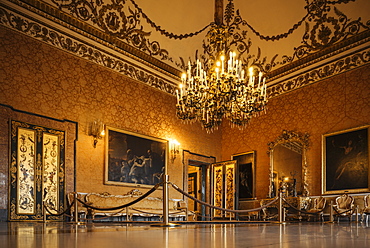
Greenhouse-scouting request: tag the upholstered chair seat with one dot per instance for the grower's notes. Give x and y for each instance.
(366, 210)
(344, 206)
(317, 207)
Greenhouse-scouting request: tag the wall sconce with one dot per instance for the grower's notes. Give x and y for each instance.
(97, 130)
(174, 149)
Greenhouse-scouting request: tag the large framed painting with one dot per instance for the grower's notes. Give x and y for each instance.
(246, 175)
(134, 159)
(346, 161)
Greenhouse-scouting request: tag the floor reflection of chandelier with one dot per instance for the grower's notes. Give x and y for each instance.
(221, 89)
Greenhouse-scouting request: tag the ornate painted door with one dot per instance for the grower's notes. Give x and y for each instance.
(36, 172)
(223, 187)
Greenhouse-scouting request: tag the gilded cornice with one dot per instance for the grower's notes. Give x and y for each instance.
(321, 55)
(151, 75)
(313, 61)
(338, 66)
(79, 26)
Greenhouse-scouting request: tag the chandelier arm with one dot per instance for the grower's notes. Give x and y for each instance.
(164, 32)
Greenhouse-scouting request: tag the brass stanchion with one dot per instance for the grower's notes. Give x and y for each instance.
(166, 222)
(281, 210)
(331, 214)
(356, 213)
(75, 214)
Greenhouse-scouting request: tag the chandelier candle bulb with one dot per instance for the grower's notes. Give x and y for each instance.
(209, 93)
(250, 84)
(222, 63)
(259, 79)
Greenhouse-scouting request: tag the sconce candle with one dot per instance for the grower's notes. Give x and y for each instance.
(174, 149)
(97, 130)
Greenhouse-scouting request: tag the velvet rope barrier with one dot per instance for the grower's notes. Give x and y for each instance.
(301, 211)
(125, 205)
(222, 209)
(58, 214)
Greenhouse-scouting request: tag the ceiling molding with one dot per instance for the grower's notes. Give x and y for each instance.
(102, 55)
(79, 26)
(347, 50)
(324, 71)
(331, 51)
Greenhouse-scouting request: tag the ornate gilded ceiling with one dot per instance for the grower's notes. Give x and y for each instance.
(295, 42)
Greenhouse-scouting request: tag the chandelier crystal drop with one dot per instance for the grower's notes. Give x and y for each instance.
(221, 89)
(226, 91)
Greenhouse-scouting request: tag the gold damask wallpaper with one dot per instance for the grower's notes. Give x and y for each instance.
(334, 104)
(40, 79)
(42, 85)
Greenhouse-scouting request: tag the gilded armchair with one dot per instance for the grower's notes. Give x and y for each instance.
(366, 210)
(317, 206)
(344, 206)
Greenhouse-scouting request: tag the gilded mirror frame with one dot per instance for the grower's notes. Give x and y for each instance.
(286, 137)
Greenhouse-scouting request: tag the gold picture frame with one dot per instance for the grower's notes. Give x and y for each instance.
(245, 180)
(133, 159)
(345, 161)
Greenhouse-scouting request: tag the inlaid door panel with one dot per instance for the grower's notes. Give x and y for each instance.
(223, 187)
(36, 171)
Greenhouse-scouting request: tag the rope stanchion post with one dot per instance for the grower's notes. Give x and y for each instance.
(331, 213)
(166, 222)
(281, 210)
(75, 214)
(165, 200)
(357, 213)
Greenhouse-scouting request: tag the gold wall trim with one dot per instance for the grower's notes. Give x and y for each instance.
(158, 74)
(64, 19)
(321, 55)
(341, 65)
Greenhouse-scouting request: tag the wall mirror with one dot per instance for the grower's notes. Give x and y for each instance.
(288, 164)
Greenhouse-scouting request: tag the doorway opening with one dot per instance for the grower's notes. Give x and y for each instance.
(197, 182)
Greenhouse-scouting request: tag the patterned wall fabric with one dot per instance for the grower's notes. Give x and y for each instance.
(40, 79)
(338, 103)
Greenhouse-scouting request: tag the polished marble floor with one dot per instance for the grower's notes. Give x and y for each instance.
(141, 235)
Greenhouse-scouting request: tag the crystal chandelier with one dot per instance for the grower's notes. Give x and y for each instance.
(221, 89)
